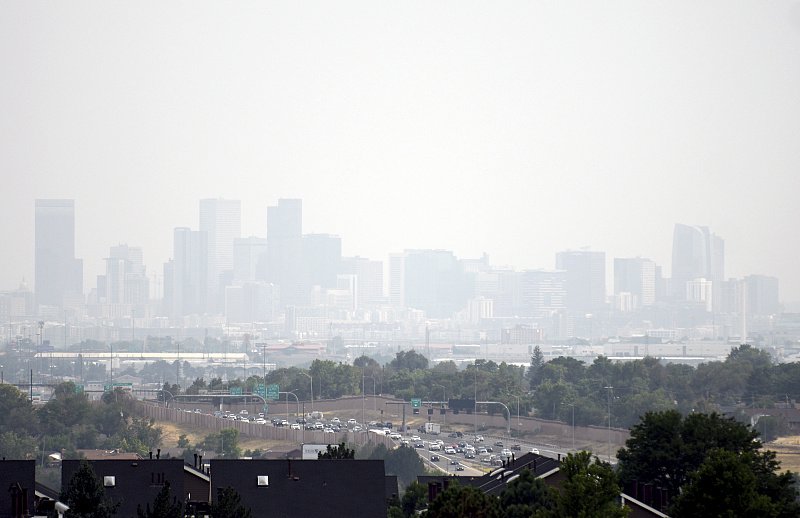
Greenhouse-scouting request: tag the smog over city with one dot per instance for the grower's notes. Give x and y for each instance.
(457, 204)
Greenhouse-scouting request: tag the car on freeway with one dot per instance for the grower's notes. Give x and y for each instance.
(261, 420)
(506, 453)
(318, 426)
(295, 426)
(405, 442)
(489, 449)
(434, 458)
(328, 430)
(357, 428)
(516, 447)
(352, 422)
(415, 438)
(434, 447)
(499, 444)
(534, 450)
(450, 450)
(419, 444)
(459, 468)
(481, 451)
(335, 420)
(453, 462)
(395, 435)
(479, 438)
(469, 455)
(452, 434)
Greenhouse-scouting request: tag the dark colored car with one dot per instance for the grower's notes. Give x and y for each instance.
(434, 458)
(419, 445)
(459, 468)
(499, 444)
(516, 447)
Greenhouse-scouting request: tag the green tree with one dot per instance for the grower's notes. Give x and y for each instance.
(527, 495)
(409, 360)
(85, 495)
(225, 443)
(537, 362)
(16, 411)
(590, 489)
(458, 501)
(414, 499)
(724, 485)
(664, 449)
(16, 446)
(337, 452)
(402, 462)
(228, 504)
(183, 442)
(65, 409)
(166, 505)
(197, 385)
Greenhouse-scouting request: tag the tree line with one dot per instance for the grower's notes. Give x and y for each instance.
(68, 422)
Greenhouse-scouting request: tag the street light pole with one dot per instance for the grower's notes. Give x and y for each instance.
(573, 426)
(609, 388)
(363, 419)
(374, 400)
(444, 398)
(312, 388)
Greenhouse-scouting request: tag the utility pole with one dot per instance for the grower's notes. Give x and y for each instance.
(609, 388)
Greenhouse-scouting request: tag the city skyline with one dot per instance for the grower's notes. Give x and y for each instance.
(156, 276)
(519, 129)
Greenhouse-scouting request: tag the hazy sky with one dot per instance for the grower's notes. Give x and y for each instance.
(515, 128)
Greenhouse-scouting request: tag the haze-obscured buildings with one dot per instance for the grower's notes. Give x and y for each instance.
(58, 273)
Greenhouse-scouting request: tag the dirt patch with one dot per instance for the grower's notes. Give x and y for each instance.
(195, 434)
(787, 451)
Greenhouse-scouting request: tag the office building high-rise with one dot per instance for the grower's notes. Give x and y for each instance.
(585, 279)
(635, 277)
(58, 272)
(249, 259)
(322, 258)
(397, 280)
(222, 221)
(370, 279)
(696, 253)
(762, 295)
(434, 282)
(542, 292)
(189, 272)
(285, 251)
(125, 280)
(285, 220)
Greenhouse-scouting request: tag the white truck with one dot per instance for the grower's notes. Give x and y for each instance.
(432, 428)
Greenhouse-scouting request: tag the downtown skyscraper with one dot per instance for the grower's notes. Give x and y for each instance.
(221, 220)
(697, 253)
(58, 272)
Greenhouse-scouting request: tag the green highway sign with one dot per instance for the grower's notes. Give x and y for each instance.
(273, 392)
(236, 391)
(416, 403)
(261, 390)
(79, 389)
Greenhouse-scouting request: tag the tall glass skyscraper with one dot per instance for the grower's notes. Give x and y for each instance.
(58, 272)
(697, 253)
